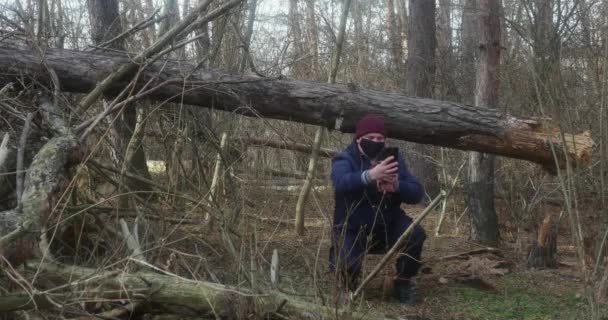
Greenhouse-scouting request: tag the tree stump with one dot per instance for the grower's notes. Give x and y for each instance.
(543, 253)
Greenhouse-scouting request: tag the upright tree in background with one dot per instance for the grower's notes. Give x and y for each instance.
(447, 87)
(203, 44)
(469, 37)
(361, 40)
(312, 35)
(171, 13)
(419, 82)
(480, 176)
(394, 32)
(104, 18)
(546, 45)
(296, 38)
(402, 18)
(105, 25)
(246, 56)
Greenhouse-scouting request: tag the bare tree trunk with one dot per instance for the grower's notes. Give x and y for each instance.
(146, 35)
(218, 31)
(203, 117)
(203, 43)
(395, 38)
(360, 38)
(105, 22)
(171, 12)
(59, 28)
(446, 85)
(313, 39)
(105, 25)
(480, 182)
(469, 40)
(402, 16)
(296, 40)
(419, 83)
(245, 53)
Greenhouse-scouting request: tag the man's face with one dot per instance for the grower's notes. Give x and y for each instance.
(376, 137)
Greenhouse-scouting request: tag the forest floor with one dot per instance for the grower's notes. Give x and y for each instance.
(491, 285)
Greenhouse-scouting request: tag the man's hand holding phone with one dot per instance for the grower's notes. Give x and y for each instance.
(389, 181)
(384, 170)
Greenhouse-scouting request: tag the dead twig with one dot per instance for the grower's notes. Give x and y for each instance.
(469, 253)
(20, 155)
(4, 150)
(132, 239)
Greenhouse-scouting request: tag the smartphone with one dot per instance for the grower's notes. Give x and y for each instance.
(390, 151)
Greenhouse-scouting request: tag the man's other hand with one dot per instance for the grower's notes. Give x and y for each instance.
(390, 184)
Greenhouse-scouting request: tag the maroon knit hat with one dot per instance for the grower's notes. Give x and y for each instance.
(368, 124)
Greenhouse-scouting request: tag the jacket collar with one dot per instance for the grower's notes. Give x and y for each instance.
(356, 155)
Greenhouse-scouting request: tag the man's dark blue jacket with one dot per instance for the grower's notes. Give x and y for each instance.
(362, 205)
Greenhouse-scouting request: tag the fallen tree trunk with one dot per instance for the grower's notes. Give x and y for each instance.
(202, 297)
(425, 121)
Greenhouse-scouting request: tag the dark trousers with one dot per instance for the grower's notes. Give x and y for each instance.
(349, 247)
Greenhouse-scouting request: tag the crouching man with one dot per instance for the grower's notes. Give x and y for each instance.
(367, 215)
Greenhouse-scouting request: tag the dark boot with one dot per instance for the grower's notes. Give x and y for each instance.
(350, 281)
(405, 292)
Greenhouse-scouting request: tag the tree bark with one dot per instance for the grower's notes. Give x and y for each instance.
(469, 39)
(203, 44)
(480, 178)
(419, 83)
(105, 25)
(246, 53)
(395, 38)
(427, 121)
(313, 39)
(105, 22)
(402, 15)
(361, 44)
(543, 253)
(299, 70)
(446, 84)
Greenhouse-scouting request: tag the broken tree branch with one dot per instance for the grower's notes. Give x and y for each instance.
(20, 154)
(4, 151)
(426, 121)
(131, 240)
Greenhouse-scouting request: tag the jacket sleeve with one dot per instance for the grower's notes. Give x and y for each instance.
(410, 190)
(344, 177)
